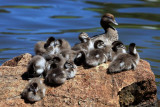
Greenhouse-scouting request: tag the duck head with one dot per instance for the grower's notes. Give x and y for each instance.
(107, 19)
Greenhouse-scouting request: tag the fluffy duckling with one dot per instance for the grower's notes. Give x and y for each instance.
(69, 54)
(60, 71)
(56, 76)
(70, 69)
(85, 46)
(36, 66)
(80, 58)
(97, 56)
(83, 37)
(117, 48)
(76, 56)
(34, 91)
(125, 61)
(111, 33)
(61, 44)
(41, 46)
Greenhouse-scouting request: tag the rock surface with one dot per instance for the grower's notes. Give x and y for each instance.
(91, 87)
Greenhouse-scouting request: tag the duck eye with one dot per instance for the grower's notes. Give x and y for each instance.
(109, 17)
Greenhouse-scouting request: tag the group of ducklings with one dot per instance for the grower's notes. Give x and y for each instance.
(57, 61)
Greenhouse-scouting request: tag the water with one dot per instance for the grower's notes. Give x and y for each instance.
(24, 22)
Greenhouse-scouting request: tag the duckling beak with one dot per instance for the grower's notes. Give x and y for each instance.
(114, 22)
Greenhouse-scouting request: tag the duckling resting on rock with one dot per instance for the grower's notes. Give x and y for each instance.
(99, 55)
(36, 66)
(125, 61)
(34, 91)
(60, 71)
(43, 47)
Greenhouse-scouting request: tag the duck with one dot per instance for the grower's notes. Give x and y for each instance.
(99, 55)
(117, 48)
(56, 76)
(83, 37)
(76, 56)
(125, 61)
(42, 47)
(70, 69)
(60, 72)
(61, 44)
(67, 65)
(34, 91)
(111, 33)
(36, 66)
(85, 46)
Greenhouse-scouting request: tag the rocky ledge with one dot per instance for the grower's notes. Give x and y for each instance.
(91, 87)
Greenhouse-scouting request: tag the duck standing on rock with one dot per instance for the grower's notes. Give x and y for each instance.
(125, 61)
(111, 33)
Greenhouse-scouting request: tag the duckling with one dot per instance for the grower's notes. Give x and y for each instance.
(83, 37)
(99, 55)
(41, 46)
(54, 62)
(56, 76)
(70, 69)
(66, 64)
(94, 58)
(107, 50)
(111, 33)
(36, 66)
(61, 44)
(125, 61)
(69, 54)
(34, 91)
(73, 55)
(117, 47)
(85, 46)
(80, 58)
(58, 60)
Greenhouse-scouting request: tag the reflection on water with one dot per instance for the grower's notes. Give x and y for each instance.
(23, 23)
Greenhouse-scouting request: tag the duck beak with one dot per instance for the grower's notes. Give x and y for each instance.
(114, 22)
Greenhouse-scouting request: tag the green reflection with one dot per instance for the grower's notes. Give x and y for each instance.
(65, 17)
(153, 60)
(158, 83)
(156, 37)
(20, 29)
(4, 11)
(10, 33)
(6, 49)
(110, 7)
(26, 7)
